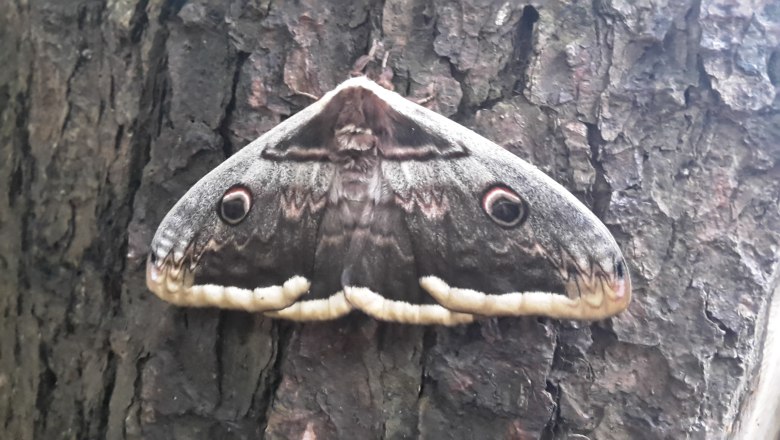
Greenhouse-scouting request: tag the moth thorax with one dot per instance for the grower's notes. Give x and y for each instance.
(358, 180)
(353, 138)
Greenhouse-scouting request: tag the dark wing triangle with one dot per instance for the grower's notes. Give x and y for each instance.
(397, 137)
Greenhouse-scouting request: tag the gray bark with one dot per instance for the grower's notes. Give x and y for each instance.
(662, 116)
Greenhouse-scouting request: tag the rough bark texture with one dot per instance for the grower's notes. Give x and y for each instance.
(661, 115)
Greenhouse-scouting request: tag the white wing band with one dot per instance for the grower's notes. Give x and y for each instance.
(385, 309)
(173, 288)
(335, 306)
(591, 306)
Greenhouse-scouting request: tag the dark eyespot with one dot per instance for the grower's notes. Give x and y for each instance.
(235, 204)
(504, 206)
(619, 269)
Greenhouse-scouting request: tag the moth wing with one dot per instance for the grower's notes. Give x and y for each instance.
(560, 261)
(271, 257)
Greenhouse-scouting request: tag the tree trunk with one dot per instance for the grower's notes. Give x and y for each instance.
(662, 116)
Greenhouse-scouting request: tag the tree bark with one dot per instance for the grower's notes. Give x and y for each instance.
(662, 116)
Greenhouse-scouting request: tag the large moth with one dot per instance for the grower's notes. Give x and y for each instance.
(367, 201)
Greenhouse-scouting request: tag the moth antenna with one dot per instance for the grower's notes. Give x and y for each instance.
(375, 44)
(430, 93)
(386, 77)
(307, 95)
(359, 68)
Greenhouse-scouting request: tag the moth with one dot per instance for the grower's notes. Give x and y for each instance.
(367, 201)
